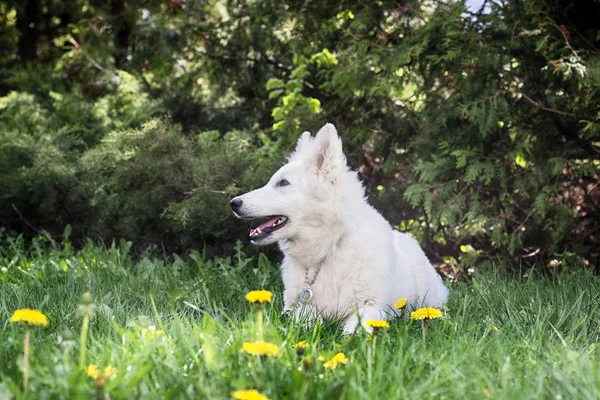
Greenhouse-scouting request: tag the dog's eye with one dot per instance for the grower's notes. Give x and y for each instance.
(283, 182)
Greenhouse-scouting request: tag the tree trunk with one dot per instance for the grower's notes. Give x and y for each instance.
(123, 31)
(28, 24)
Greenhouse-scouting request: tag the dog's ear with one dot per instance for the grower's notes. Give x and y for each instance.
(330, 160)
(303, 142)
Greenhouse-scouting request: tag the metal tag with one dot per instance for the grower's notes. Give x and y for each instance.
(304, 296)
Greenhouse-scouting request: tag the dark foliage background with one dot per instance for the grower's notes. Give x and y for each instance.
(478, 132)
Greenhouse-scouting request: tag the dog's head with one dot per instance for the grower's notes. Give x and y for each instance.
(301, 195)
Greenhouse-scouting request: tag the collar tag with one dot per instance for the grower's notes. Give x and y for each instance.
(305, 296)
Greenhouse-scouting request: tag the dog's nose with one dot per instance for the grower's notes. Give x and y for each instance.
(236, 204)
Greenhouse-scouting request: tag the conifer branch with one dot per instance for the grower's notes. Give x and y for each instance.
(538, 105)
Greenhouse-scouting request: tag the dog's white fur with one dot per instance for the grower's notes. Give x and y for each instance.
(366, 265)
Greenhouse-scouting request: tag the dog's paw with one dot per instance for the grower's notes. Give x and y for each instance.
(350, 325)
(356, 322)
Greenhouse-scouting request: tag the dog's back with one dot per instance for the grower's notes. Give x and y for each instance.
(426, 288)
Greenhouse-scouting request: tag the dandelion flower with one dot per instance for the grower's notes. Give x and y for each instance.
(92, 371)
(339, 358)
(110, 372)
(259, 296)
(495, 328)
(261, 349)
(301, 347)
(29, 317)
(248, 395)
(401, 303)
(426, 313)
(377, 324)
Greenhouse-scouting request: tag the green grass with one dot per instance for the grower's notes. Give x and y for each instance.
(546, 345)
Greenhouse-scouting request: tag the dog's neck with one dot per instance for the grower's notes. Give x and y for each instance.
(312, 249)
(320, 235)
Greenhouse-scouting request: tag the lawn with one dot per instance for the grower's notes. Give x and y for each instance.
(176, 329)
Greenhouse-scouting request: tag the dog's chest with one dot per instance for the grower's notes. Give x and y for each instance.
(342, 282)
(329, 290)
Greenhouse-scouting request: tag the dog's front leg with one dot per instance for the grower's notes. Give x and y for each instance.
(361, 316)
(290, 297)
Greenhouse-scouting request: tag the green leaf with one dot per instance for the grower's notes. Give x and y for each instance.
(467, 248)
(324, 58)
(293, 86)
(314, 105)
(290, 100)
(278, 125)
(274, 83)
(263, 262)
(278, 113)
(275, 93)
(209, 136)
(300, 72)
(67, 231)
(520, 161)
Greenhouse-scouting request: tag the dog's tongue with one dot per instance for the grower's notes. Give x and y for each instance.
(261, 228)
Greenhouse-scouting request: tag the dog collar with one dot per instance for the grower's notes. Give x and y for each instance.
(306, 294)
(310, 282)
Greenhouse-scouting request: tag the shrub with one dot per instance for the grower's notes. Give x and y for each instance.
(36, 165)
(152, 184)
(156, 185)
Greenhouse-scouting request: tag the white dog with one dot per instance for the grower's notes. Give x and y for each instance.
(342, 258)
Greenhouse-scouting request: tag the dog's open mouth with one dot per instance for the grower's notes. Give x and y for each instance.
(266, 228)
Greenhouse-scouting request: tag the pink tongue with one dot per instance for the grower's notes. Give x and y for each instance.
(259, 229)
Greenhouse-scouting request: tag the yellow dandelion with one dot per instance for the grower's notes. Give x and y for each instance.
(259, 296)
(301, 345)
(426, 313)
(109, 372)
(495, 328)
(377, 324)
(321, 358)
(339, 358)
(92, 371)
(248, 395)
(401, 303)
(29, 317)
(261, 349)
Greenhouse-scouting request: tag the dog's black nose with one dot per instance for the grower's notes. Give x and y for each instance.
(236, 204)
